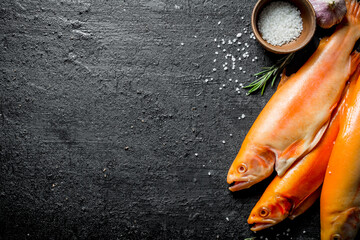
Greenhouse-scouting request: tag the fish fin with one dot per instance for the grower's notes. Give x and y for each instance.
(296, 150)
(353, 12)
(305, 204)
(355, 62)
(288, 157)
(283, 79)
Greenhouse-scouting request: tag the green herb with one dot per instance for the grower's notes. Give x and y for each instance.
(252, 238)
(269, 73)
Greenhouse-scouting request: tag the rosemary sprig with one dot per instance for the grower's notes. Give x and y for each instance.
(269, 73)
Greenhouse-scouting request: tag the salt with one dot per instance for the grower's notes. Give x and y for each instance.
(280, 23)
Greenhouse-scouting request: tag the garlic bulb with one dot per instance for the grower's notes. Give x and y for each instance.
(329, 12)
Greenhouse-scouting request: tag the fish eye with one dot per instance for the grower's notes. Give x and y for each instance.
(242, 168)
(336, 236)
(264, 212)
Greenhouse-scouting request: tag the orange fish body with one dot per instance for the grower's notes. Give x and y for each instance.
(340, 196)
(297, 115)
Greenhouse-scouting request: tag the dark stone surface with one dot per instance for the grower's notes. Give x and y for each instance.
(110, 130)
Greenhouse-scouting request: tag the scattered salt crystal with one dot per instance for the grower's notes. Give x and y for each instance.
(182, 44)
(304, 231)
(223, 141)
(216, 52)
(214, 60)
(206, 80)
(236, 80)
(237, 89)
(220, 88)
(234, 40)
(196, 154)
(230, 42)
(242, 115)
(244, 71)
(226, 68)
(214, 69)
(218, 45)
(209, 173)
(227, 219)
(240, 68)
(230, 135)
(238, 49)
(242, 17)
(215, 39)
(224, 85)
(224, 50)
(230, 79)
(239, 35)
(219, 22)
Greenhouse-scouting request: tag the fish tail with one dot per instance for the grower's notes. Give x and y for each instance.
(353, 12)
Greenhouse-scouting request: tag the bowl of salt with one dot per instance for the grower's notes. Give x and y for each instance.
(283, 26)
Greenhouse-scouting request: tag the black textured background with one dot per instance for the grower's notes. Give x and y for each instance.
(115, 126)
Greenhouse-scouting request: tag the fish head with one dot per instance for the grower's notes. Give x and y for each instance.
(343, 226)
(250, 166)
(269, 211)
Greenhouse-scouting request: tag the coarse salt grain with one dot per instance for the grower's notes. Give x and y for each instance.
(280, 23)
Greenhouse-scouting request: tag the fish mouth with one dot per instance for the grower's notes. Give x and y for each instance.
(260, 226)
(239, 185)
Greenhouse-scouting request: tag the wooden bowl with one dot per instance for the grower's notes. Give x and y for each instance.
(307, 14)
